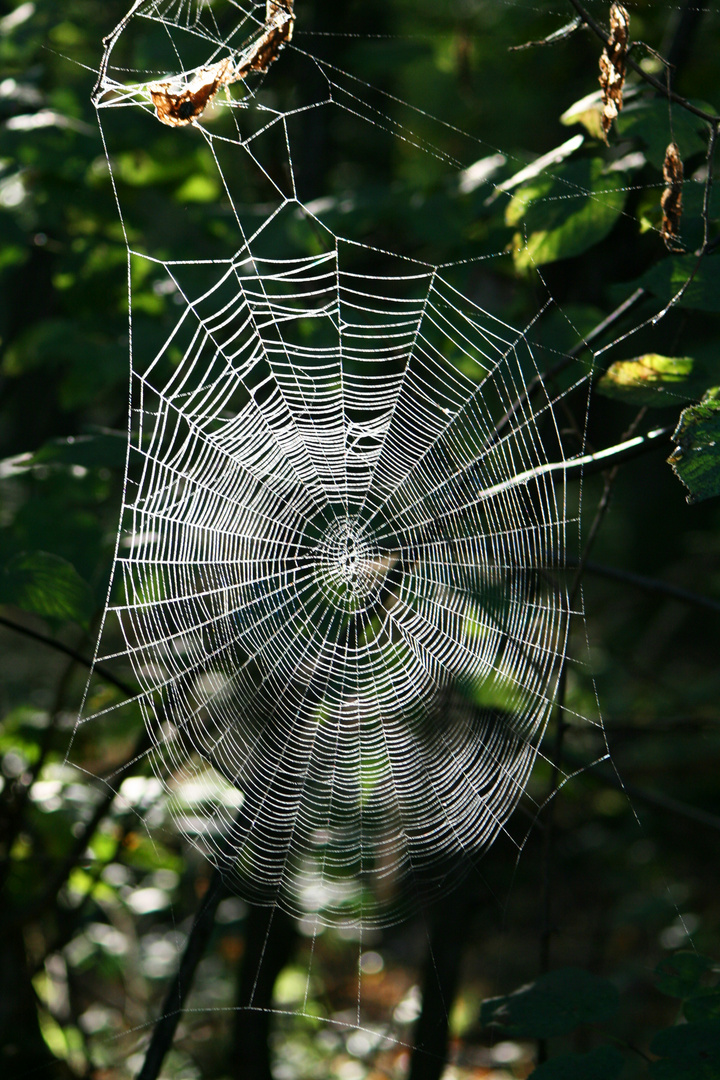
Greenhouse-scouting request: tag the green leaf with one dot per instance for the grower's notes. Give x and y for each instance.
(46, 585)
(198, 188)
(687, 1052)
(696, 457)
(46, 344)
(666, 279)
(703, 1006)
(541, 164)
(603, 1063)
(652, 380)
(681, 975)
(105, 449)
(647, 120)
(588, 112)
(564, 214)
(553, 1005)
(89, 360)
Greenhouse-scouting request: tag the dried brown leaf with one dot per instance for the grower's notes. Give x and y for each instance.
(180, 107)
(671, 201)
(183, 107)
(612, 66)
(279, 23)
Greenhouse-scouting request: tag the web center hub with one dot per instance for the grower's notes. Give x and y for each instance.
(347, 563)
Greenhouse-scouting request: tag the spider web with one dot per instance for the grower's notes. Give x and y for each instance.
(339, 574)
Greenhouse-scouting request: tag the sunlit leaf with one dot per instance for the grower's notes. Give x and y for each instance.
(696, 457)
(198, 188)
(651, 380)
(564, 214)
(541, 164)
(588, 112)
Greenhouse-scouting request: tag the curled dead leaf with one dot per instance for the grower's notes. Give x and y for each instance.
(671, 201)
(182, 107)
(178, 106)
(612, 66)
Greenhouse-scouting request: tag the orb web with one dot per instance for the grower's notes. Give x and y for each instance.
(339, 569)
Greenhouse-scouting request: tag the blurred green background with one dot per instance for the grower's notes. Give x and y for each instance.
(98, 895)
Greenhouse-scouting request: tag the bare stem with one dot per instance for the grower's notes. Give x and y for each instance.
(541, 379)
(59, 646)
(652, 585)
(172, 1007)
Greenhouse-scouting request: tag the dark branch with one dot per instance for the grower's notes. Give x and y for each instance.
(652, 585)
(655, 798)
(77, 850)
(586, 343)
(59, 646)
(181, 985)
(661, 87)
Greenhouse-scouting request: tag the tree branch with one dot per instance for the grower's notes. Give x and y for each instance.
(652, 585)
(60, 646)
(541, 379)
(654, 798)
(661, 87)
(181, 985)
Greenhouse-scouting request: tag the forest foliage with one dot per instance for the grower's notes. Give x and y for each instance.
(592, 954)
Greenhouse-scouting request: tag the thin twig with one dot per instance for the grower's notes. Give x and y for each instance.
(652, 585)
(652, 798)
(71, 918)
(17, 796)
(551, 39)
(708, 187)
(71, 860)
(172, 1007)
(587, 464)
(541, 379)
(141, 746)
(60, 877)
(59, 646)
(678, 725)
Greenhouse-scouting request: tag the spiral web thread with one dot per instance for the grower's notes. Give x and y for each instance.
(339, 569)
